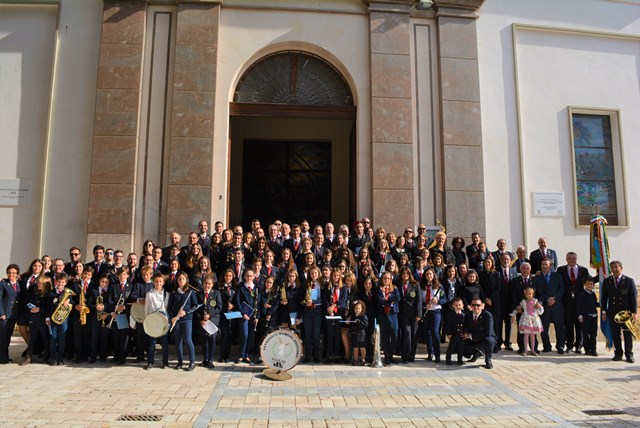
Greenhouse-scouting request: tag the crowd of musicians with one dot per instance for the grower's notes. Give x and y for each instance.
(330, 286)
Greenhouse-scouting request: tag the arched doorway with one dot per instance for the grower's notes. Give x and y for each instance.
(292, 142)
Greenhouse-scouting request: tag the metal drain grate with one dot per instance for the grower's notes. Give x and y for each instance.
(139, 418)
(605, 412)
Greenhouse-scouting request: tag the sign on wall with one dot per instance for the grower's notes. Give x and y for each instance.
(548, 204)
(15, 191)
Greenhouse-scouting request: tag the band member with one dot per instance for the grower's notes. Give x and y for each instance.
(434, 298)
(227, 287)
(410, 314)
(269, 307)
(28, 287)
(619, 294)
(313, 316)
(9, 292)
(38, 309)
(350, 289)
(138, 295)
(587, 314)
(291, 309)
(335, 302)
(247, 299)
(82, 332)
(367, 295)
(99, 329)
(211, 308)
(455, 331)
(387, 300)
(58, 331)
(117, 305)
(181, 305)
(157, 300)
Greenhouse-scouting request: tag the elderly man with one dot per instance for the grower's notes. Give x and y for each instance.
(543, 252)
(572, 275)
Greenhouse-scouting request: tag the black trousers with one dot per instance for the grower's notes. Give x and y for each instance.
(6, 331)
(589, 330)
(81, 338)
(572, 327)
(617, 341)
(38, 332)
(120, 339)
(456, 346)
(486, 345)
(553, 314)
(409, 337)
(99, 339)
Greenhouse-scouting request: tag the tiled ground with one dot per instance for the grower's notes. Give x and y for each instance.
(550, 390)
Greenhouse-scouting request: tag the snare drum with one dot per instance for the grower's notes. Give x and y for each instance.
(156, 324)
(281, 349)
(137, 312)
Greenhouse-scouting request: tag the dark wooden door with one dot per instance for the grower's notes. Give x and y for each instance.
(289, 180)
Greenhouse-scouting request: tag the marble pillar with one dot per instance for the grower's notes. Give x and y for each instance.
(391, 115)
(460, 116)
(192, 116)
(115, 133)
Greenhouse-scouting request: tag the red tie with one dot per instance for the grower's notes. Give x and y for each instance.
(506, 277)
(33, 278)
(238, 270)
(573, 276)
(122, 287)
(15, 287)
(406, 287)
(173, 277)
(84, 287)
(617, 280)
(269, 270)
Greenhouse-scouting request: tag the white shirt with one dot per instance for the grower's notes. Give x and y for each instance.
(156, 301)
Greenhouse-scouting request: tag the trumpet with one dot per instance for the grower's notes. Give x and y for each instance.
(120, 303)
(100, 314)
(626, 318)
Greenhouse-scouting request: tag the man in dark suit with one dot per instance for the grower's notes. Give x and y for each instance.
(537, 256)
(274, 241)
(75, 255)
(9, 289)
(572, 276)
(203, 237)
(472, 248)
(502, 249)
(479, 334)
(358, 239)
(507, 274)
(166, 251)
(98, 264)
(550, 288)
(619, 293)
(329, 235)
(294, 242)
(521, 257)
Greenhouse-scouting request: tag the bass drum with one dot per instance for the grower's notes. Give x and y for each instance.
(281, 349)
(137, 313)
(156, 324)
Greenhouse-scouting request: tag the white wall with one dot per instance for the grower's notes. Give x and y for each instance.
(27, 41)
(246, 35)
(48, 72)
(554, 70)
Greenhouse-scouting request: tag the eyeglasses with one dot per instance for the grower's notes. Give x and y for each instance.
(408, 231)
(109, 253)
(476, 305)
(74, 254)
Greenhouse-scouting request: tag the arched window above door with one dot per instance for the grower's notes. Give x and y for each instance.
(293, 78)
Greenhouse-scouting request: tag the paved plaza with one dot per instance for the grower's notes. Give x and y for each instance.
(549, 390)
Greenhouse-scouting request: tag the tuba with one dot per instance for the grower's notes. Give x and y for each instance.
(626, 318)
(63, 310)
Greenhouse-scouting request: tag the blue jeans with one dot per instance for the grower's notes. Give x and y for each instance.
(182, 333)
(58, 340)
(164, 342)
(432, 332)
(247, 335)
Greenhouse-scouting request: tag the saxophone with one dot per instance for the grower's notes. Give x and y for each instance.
(283, 294)
(62, 310)
(84, 310)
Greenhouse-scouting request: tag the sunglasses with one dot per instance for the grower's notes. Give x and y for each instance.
(475, 305)
(74, 254)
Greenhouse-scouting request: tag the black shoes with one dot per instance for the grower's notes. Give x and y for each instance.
(617, 358)
(630, 359)
(474, 357)
(560, 351)
(489, 364)
(178, 366)
(149, 366)
(190, 367)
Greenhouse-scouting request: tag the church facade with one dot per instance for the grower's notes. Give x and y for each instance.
(128, 120)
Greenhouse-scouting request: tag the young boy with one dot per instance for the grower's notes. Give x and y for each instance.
(82, 332)
(58, 331)
(455, 331)
(586, 304)
(99, 330)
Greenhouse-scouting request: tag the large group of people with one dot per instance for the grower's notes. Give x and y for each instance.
(332, 287)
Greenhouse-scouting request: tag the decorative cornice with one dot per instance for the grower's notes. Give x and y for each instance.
(466, 5)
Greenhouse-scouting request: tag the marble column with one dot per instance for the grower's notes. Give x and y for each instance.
(112, 187)
(192, 116)
(391, 115)
(460, 111)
